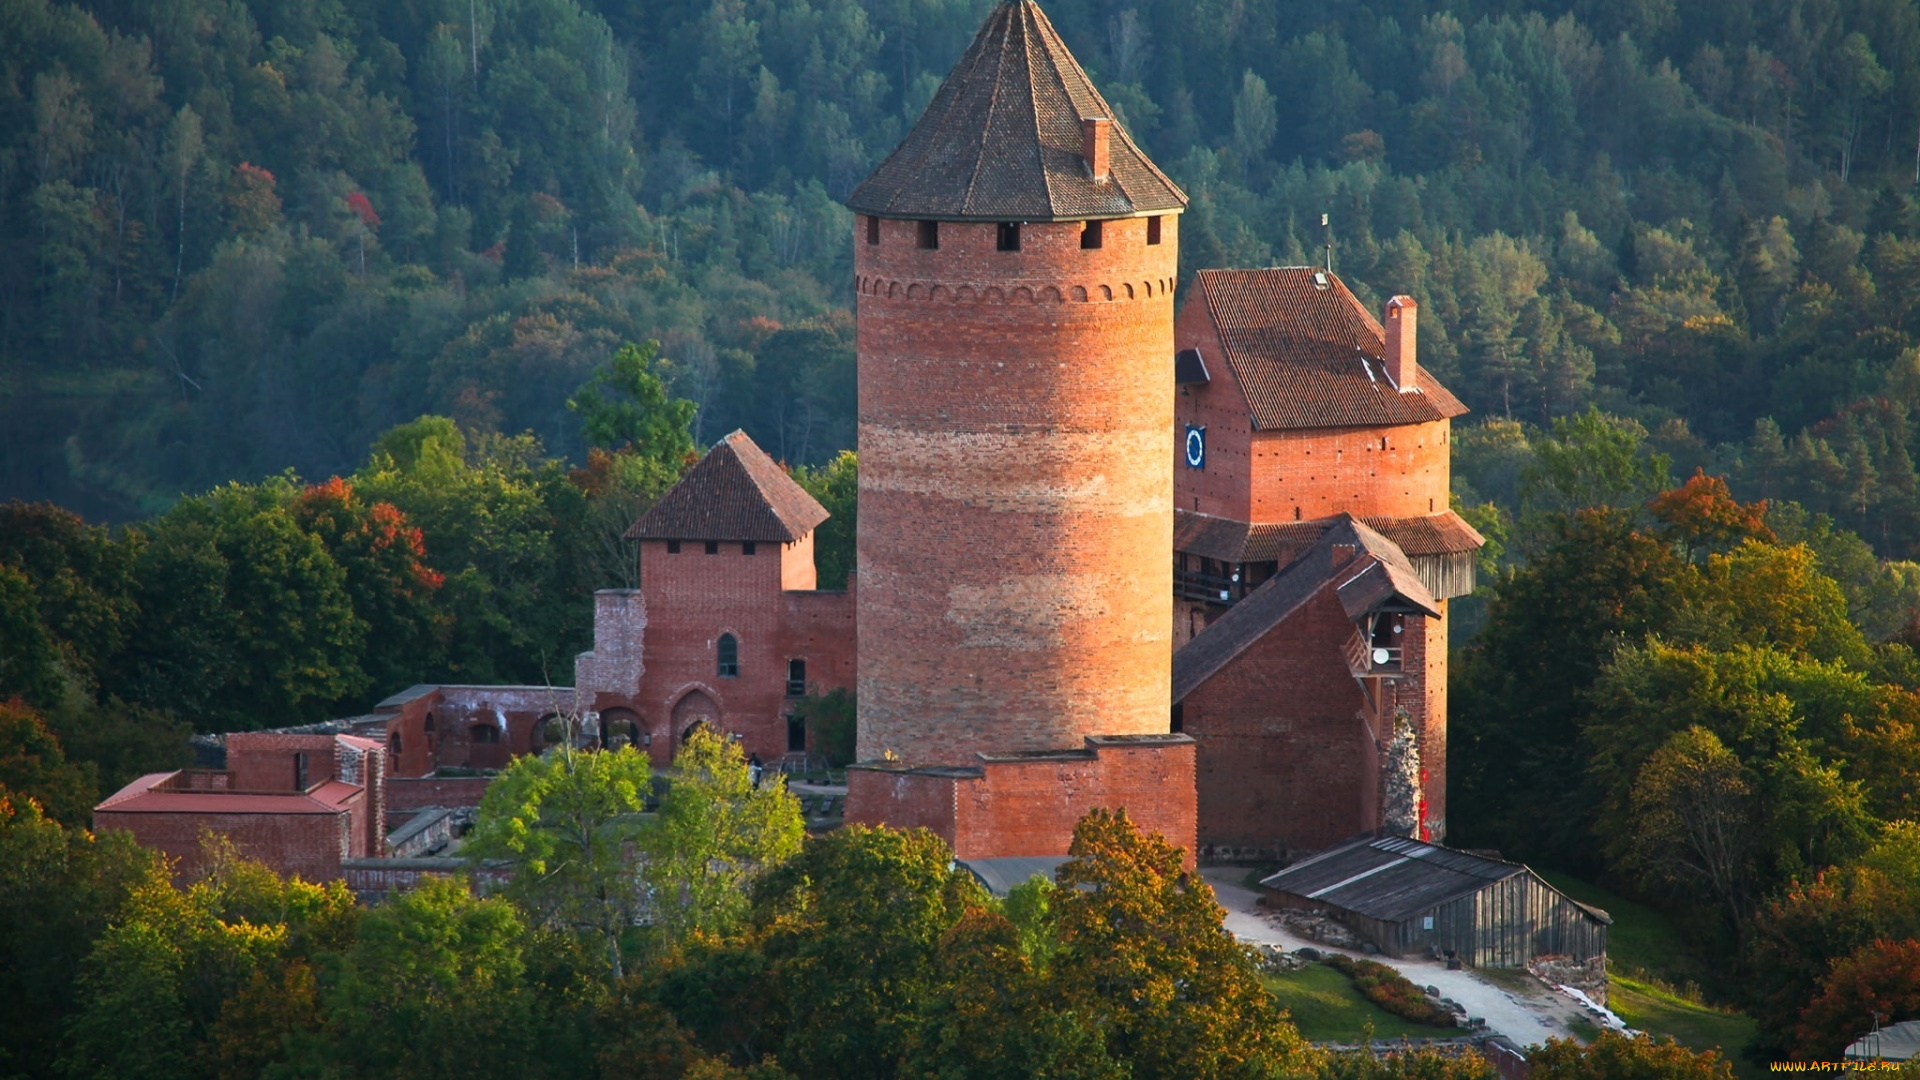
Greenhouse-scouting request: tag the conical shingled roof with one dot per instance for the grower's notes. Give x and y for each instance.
(1002, 140)
(736, 492)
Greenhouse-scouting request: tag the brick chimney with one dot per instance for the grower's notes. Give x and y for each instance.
(1094, 131)
(1402, 323)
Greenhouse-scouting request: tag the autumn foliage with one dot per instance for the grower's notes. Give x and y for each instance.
(1702, 513)
(1879, 979)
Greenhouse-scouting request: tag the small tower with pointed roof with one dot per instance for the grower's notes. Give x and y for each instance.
(727, 629)
(1015, 260)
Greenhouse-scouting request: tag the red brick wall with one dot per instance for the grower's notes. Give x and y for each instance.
(419, 740)
(1223, 488)
(263, 761)
(1029, 806)
(310, 845)
(1285, 762)
(1297, 475)
(1327, 471)
(416, 792)
(462, 709)
(820, 630)
(692, 598)
(1015, 487)
(903, 800)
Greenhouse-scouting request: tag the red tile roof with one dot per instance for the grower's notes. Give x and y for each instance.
(1307, 355)
(1002, 140)
(148, 795)
(736, 492)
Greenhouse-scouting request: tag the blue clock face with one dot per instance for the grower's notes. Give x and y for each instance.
(1196, 447)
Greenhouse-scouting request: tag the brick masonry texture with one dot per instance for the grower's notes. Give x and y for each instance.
(1015, 491)
(767, 601)
(1302, 473)
(654, 671)
(1030, 806)
(408, 793)
(1288, 757)
(310, 845)
(1288, 760)
(290, 834)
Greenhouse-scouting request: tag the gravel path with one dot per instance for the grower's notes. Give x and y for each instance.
(1529, 1015)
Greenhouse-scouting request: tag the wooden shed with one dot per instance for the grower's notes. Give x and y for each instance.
(1409, 898)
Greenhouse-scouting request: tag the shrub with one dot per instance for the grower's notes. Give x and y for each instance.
(1390, 990)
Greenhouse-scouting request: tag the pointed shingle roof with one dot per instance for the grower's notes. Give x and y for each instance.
(736, 492)
(1001, 140)
(1307, 355)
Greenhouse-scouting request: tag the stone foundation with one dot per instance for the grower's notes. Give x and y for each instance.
(1589, 976)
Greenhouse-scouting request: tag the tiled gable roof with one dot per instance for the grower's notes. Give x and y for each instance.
(1002, 140)
(736, 492)
(1363, 566)
(1307, 355)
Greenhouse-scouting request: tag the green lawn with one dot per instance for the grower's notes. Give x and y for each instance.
(1327, 1008)
(1645, 957)
(1660, 1011)
(1641, 941)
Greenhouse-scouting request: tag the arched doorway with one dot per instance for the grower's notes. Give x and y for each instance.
(695, 710)
(619, 727)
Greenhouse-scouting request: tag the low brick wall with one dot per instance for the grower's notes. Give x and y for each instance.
(1028, 804)
(309, 845)
(420, 792)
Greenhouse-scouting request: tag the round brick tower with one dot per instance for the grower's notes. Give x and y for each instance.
(1015, 261)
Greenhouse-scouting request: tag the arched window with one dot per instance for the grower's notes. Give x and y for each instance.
(796, 678)
(729, 656)
(393, 744)
(484, 734)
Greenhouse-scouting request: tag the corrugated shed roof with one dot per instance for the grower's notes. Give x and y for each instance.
(1390, 878)
(1307, 355)
(1394, 878)
(1343, 554)
(1239, 542)
(1002, 139)
(736, 492)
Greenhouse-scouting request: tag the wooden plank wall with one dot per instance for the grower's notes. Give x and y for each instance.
(1506, 924)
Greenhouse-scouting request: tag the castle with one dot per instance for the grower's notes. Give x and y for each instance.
(1197, 567)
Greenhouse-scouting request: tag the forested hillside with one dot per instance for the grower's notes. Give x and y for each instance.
(243, 236)
(325, 301)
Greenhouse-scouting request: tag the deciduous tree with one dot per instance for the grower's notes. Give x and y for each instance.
(569, 821)
(715, 835)
(1144, 958)
(1614, 1056)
